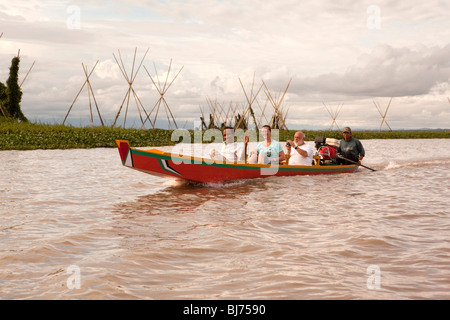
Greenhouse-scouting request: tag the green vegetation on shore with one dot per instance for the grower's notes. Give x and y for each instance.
(30, 136)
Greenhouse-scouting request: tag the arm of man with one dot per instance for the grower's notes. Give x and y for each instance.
(244, 150)
(362, 152)
(301, 152)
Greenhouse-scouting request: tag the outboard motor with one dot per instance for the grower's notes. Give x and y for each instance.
(319, 141)
(327, 148)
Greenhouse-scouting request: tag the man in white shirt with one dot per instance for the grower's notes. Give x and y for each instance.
(302, 153)
(230, 151)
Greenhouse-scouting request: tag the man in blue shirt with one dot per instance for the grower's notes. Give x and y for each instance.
(351, 148)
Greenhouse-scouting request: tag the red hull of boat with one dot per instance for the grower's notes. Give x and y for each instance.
(160, 163)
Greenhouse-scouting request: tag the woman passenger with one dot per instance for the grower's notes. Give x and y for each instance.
(269, 151)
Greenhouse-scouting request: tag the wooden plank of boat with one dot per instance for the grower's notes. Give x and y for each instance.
(160, 163)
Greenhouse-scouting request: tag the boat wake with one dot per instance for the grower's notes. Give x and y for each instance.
(225, 184)
(392, 165)
(174, 182)
(180, 183)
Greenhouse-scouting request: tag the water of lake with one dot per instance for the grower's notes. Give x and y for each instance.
(76, 224)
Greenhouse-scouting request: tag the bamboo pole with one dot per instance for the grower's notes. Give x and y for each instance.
(202, 118)
(130, 80)
(76, 97)
(227, 116)
(93, 97)
(4, 115)
(334, 114)
(276, 103)
(29, 70)
(383, 115)
(250, 102)
(162, 90)
(263, 112)
(90, 104)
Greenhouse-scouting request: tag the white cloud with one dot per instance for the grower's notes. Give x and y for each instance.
(325, 47)
(107, 69)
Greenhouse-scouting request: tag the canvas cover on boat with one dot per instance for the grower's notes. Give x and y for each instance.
(332, 142)
(327, 152)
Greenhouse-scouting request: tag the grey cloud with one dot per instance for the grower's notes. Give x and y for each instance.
(386, 71)
(45, 32)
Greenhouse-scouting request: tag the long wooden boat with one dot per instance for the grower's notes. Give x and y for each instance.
(160, 163)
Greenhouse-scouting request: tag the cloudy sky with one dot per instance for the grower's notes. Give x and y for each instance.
(331, 53)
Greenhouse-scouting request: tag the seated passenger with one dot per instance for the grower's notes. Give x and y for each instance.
(230, 150)
(267, 152)
(302, 154)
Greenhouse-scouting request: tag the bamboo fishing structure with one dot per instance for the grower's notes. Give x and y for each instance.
(29, 70)
(278, 119)
(216, 114)
(250, 100)
(262, 117)
(240, 116)
(130, 91)
(383, 115)
(90, 93)
(334, 114)
(219, 116)
(162, 90)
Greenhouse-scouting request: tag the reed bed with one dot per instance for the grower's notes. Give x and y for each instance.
(30, 136)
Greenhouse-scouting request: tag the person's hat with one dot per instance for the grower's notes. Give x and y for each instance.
(347, 129)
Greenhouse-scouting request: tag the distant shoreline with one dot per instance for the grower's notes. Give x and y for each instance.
(32, 136)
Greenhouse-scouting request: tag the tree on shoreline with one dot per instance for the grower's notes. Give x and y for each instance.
(11, 94)
(2, 99)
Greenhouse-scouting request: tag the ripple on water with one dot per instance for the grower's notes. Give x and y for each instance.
(134, 236)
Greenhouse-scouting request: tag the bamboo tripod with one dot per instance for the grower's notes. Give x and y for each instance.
(334, 114)
(383, 115)
(216, 113)
(130, 80)
(278, 119)
(219, 113)
(263, 112)
(90, 93)
(162, 90)
(250, 100)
